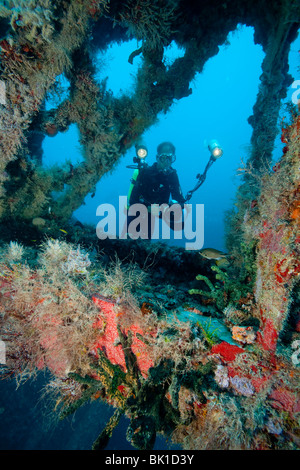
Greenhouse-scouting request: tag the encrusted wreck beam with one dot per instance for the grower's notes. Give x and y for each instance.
(274, 223)
(42, 37)
(275, 29)
(274, 82)
(45, 40)
(32, 57)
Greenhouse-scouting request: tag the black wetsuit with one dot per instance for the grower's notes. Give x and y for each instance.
(154, 186)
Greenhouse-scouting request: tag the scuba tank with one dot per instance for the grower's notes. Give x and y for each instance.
(132, 183)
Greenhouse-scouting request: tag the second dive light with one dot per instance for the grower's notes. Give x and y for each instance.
(216, 152)
(215, 149)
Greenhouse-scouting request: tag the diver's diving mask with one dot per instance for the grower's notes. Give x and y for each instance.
(166, 158)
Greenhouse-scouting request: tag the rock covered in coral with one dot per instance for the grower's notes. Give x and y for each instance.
(243, 334)
(221, 376)
(38, 222)
(242, 385)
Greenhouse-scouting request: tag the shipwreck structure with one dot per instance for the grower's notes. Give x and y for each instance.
(211, 392)
(41, 40)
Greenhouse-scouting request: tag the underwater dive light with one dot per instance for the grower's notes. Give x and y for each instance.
(215, 149)
(216, 152)
(141, 151)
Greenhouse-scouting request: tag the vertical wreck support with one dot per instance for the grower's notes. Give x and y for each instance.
(273, 88)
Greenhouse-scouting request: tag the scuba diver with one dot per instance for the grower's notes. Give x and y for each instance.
(156, 185)
(155, 190)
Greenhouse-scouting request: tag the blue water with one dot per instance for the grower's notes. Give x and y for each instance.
(28, 422)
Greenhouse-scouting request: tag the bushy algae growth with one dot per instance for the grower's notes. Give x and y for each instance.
(82, 322)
